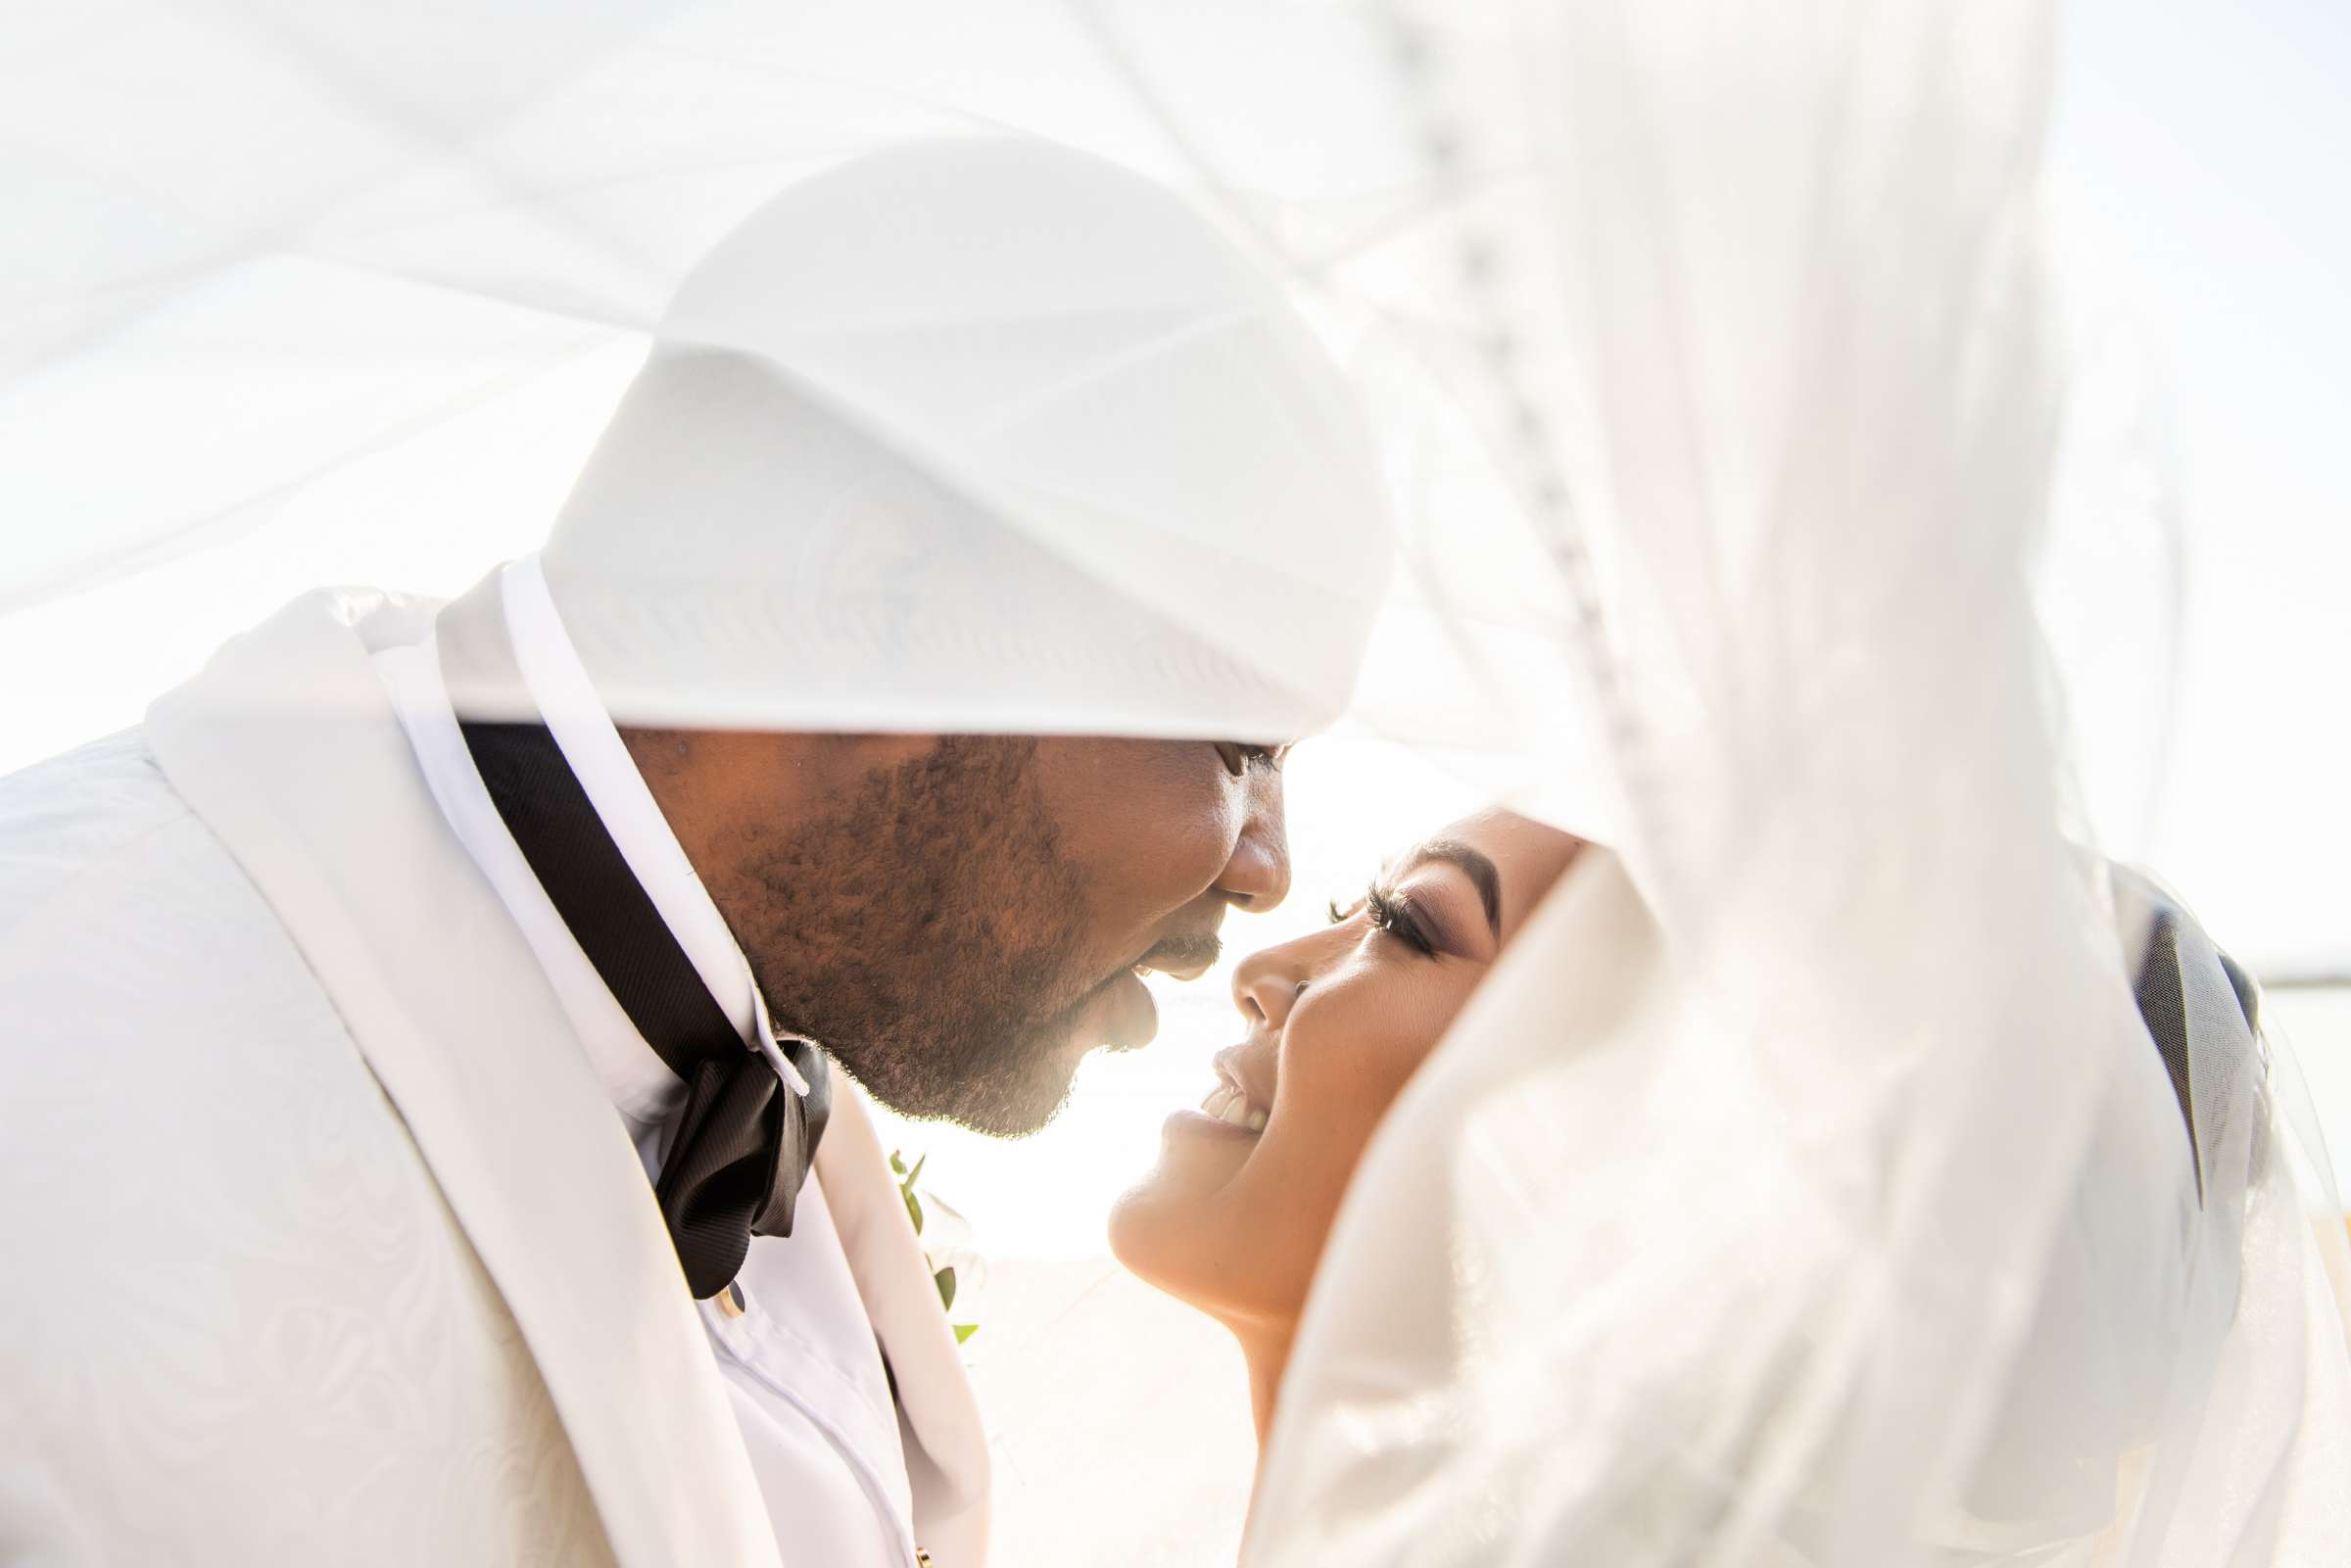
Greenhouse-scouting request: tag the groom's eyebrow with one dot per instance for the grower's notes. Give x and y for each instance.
(1475, 865)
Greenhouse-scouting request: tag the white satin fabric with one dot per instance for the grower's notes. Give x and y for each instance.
(242, 1323)
(454, 1329)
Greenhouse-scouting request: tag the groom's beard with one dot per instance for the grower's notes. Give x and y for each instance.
(925, 933)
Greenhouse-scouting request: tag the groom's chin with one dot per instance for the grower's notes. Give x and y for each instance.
(1024, 1093)
(1006, 1092)
(1027, 1086)
(1013, 1117)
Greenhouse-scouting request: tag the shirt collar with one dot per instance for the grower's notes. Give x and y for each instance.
(638, 1081)
(591, 743)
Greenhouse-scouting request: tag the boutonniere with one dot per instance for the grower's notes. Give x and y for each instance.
(956, 1268)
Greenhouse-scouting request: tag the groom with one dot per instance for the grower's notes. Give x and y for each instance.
(429, 1033)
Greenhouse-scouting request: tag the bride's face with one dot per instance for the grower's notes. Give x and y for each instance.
(1234, 1218)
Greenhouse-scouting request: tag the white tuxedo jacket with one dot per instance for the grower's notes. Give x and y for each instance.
(323, 1244)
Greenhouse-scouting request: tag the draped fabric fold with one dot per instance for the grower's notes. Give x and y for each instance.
(1804, 1187)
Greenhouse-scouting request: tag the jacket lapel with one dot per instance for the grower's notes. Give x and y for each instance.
(287, 746)
(947, 1446)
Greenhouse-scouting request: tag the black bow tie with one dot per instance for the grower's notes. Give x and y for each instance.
(739, 1151)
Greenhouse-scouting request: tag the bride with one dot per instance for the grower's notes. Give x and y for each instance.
(1332, 1024)
(1236, 1217)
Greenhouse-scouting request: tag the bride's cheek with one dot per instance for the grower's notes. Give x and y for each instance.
(1415, 1019)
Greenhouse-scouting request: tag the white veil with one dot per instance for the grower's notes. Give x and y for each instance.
(1801, 1191)
(1805, 1187)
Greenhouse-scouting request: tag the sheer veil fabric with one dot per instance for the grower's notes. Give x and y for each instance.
(1804, 1188)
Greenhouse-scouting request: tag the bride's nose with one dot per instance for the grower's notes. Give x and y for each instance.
(1268, 983)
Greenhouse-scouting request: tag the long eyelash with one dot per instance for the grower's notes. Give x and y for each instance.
(1393, 915)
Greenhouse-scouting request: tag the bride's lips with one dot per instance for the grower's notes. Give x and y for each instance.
(1236, 1107)
(1251, 1068)
(1201, 1124)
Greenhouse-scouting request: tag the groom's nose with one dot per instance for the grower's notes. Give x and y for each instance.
(1257, 875)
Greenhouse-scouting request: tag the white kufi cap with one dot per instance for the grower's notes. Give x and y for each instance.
(977, 435)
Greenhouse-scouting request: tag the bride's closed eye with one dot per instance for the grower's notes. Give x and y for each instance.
(1397, 916)
(1392, 913)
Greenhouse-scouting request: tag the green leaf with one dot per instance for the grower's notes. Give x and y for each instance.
(897, 1164)
(916, 1174)
(963, 1331)
(944, 1279)
(914, 1209)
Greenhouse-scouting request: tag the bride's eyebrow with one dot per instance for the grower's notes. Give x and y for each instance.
(1473, 865)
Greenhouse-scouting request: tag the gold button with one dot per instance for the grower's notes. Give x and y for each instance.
(730, 1300)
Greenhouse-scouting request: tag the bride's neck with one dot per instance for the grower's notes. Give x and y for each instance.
(1266, 1348)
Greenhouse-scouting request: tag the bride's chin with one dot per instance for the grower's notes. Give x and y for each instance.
(1136, 1225)
(1166, 1194)
(1163, 1224)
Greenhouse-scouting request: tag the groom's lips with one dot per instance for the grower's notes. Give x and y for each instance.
(1131, 1019)
(1122, 1016)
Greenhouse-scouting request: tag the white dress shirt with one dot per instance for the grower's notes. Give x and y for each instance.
(801, 1361)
